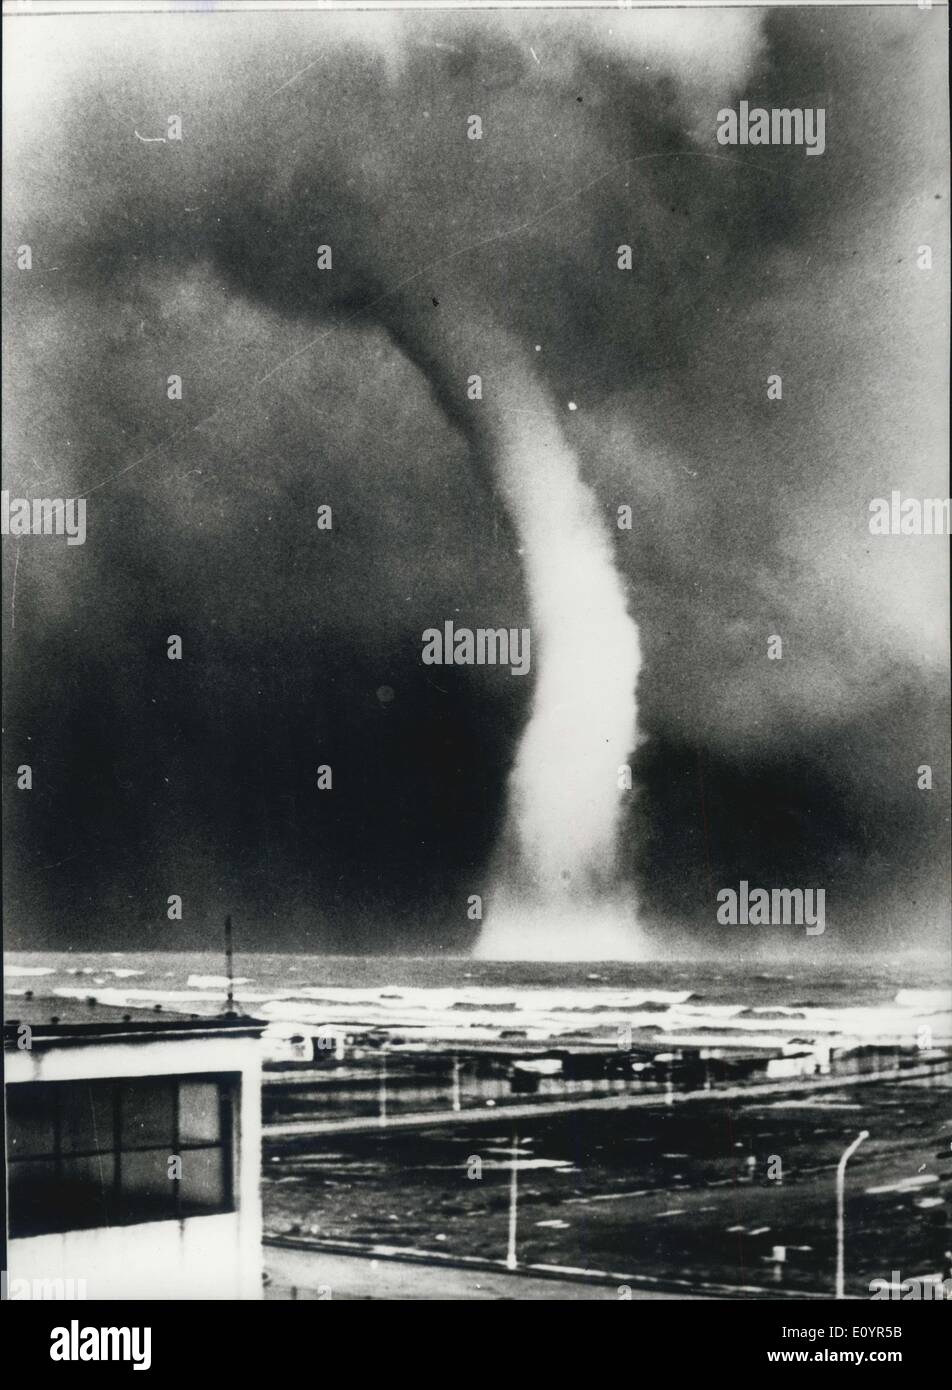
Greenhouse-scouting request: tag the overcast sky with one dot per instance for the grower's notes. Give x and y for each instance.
(302, 647)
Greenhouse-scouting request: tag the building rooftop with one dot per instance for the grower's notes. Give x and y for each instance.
(80, 1020)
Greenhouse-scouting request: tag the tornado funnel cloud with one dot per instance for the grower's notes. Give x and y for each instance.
(555, 889)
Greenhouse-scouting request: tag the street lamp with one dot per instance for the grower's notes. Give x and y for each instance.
(840, 1210)
(513, 1204)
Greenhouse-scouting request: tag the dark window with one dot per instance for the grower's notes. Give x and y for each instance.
(100, 1153)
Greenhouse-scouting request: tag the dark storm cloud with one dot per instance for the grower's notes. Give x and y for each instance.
(154, 777)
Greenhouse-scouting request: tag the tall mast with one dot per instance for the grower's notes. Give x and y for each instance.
(229, 967)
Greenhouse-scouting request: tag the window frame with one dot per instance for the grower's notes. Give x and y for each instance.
(121, 1206)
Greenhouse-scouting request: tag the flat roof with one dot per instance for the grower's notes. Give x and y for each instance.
(54, 1018)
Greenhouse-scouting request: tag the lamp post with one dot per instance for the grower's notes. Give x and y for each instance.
(513, 1204)
(840, 1211)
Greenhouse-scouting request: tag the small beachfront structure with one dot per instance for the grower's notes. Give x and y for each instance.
(134, 1151)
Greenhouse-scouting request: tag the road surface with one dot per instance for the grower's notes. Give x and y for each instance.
(319, 1274)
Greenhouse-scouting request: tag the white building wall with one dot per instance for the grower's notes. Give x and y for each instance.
(199, 1257)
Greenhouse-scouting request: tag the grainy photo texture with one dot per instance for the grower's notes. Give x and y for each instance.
(475, 573)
